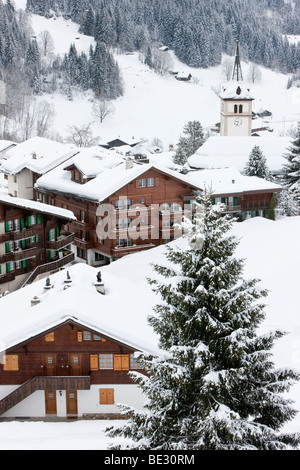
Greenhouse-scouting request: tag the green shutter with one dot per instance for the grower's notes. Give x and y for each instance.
(213, 201)
(22, 222)
(38, 218)
(6, 227)
(50, 254)
(243, 215)
(23, 243)
(253, 213)
(29, 221)
(49, 235)
(36, 238)
(235, 200)
(8, 268)
(7, 247)
(223, 200)
(57, 231)
(24, 263)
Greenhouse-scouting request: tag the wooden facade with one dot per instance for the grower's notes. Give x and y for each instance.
(30, 238)
(162, 198)
(69, 357)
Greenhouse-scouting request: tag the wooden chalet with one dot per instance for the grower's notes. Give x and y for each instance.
(64, 356)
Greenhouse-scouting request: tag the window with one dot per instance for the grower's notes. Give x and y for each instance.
(235, 109)
(119, 204)
(17, 224)
(240, 108)
(150, 182)
(175, 206)
(87, 336)
(107, 396)
(143, 200)
(165, 206)
(142, 182)
(134, 364)
(9, 226)
(11, 362)
(106, 361)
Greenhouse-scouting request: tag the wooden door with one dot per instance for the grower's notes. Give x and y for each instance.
(75, 364)
(71, 396)
(50, 364)
(50, 402)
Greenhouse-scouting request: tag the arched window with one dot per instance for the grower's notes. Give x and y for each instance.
(235, 109)
(240, 108)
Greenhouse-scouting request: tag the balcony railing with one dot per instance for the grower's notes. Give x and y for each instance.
(48, 267)
(61, 242)
(18, 255)
(18, 235)
(43, 383)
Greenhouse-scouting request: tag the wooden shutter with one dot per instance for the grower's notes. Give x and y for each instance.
(49, 337)
(11, 362)
(121, 362)
(94, 362)
(79, 336)
(6, 227)
(107, 396)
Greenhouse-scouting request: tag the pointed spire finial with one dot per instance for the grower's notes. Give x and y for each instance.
(237, 69)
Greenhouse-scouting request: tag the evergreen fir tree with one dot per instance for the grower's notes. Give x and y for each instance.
(257, 165)
(214, 386)
(291, 170)
(189, 143)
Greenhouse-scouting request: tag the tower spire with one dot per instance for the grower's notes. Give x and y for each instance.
(237, 69)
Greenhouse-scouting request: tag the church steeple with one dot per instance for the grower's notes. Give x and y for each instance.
(237, 69)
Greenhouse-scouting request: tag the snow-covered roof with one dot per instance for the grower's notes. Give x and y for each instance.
(37, 154)
(220, 152)
(36, 206)
(229, 181)
(112, 314)
(106, 183)
(236, 91)
(6, 144)
(94, 160)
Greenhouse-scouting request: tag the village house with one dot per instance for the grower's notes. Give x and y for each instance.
(68, 351)
(24, 163)
(125, 206)
(33, 240)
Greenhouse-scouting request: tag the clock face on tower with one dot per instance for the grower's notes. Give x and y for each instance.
(237, 122)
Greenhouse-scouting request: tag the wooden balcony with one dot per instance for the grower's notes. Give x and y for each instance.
(120, 251)
(18, 255)
(61, 242)
(18, 235)
(43, 383)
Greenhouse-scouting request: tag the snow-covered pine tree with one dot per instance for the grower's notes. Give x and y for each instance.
(257, 165)
(189, 143)
(291, 170)
(214, 386)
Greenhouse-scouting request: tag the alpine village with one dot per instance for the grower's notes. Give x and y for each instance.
(96, 235)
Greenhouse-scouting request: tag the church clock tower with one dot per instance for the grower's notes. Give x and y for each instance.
(236, 104)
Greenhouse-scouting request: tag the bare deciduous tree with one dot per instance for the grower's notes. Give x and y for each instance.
(103, 108)
(81, 136)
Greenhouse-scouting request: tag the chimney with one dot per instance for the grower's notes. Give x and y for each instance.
(128, 163)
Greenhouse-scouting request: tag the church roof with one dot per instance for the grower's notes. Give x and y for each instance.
(236, 91)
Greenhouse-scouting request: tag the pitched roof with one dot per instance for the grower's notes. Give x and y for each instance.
(37, 154)
(36, 206)
(112, 314)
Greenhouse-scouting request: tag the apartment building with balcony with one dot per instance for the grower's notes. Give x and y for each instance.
(123, 206)
(33, 241)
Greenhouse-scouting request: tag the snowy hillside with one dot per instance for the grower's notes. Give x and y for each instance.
(158, 107)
